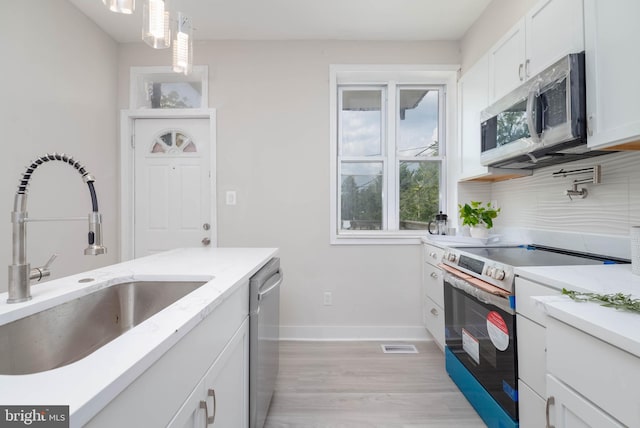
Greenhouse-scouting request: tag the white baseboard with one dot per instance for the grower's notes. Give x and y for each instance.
(331, 332)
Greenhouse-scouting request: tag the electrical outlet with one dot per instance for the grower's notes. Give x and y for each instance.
(328, 298)
(231, 197)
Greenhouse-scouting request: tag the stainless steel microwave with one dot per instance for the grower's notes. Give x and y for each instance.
(542, 122)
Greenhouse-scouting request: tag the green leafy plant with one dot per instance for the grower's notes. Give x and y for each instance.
(475, 214)
(614, 300)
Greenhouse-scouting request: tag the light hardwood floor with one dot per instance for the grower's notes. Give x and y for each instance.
(354, 385)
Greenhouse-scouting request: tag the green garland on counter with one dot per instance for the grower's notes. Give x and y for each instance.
(615, 300)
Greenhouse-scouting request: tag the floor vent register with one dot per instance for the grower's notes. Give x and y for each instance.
(399, 349)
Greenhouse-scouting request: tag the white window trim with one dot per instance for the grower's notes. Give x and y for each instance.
(137, 76)
(344, 74)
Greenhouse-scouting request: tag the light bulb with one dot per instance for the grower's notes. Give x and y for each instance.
(155, 24)
(120, 6)
(183, 45)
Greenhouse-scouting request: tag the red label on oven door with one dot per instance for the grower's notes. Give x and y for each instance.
(498, 331)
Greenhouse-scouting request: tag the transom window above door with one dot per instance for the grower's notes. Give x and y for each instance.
(173, 142)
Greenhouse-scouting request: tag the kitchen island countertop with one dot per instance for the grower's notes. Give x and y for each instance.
(92, 382)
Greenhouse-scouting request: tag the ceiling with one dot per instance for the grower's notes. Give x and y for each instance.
(393, 20)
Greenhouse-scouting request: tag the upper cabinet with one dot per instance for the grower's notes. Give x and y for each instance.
(506, 62)
(612, 63)
(550, 30)
(473, 96)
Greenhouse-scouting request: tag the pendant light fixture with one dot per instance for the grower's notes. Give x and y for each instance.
(155, 24)
(121, 6)
(183, 44)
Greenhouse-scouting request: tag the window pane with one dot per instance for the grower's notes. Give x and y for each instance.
(419, 193)
(361, 122)
(174, 94)
(418, 124)
(361, 196)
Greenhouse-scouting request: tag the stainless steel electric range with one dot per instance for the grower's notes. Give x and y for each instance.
(480, 322)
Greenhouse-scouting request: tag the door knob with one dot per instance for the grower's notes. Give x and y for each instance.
(206, 226)
(206, 241)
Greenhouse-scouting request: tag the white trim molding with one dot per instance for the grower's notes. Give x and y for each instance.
(371, 74)
(353, 333)
(127, 120)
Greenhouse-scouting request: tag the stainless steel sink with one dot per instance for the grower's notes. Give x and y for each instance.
(70, 331)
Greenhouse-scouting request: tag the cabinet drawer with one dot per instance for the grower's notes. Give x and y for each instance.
(530, 407)
(525, 305)
(432, 254)
(605, 375)
(532, 354)
(434, 321)
(433, 285)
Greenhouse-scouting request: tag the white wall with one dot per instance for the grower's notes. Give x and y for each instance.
(272, 101)
(59, 91)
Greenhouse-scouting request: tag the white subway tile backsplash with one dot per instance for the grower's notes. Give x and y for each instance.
(538, 203)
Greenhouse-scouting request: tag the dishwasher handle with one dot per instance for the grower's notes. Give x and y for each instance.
(263, 294)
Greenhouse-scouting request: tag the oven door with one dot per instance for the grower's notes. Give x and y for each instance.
(480, 332)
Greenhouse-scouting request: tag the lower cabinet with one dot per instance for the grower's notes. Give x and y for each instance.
(433, 293)
(434, 321)
(567, 409)
(590, 383)
(221, 397)
(213, 355)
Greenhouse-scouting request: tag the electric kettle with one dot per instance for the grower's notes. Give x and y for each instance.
(439, 225)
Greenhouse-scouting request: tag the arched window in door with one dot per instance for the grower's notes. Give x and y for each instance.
(173, 142)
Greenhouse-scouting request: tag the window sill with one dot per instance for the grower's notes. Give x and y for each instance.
(379, 238)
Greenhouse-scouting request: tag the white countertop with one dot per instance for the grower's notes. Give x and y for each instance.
(90, 383)
(616, 327)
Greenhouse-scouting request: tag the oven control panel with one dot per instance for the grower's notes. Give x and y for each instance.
(487, 270)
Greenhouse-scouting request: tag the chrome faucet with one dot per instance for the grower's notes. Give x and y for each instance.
(20, 272)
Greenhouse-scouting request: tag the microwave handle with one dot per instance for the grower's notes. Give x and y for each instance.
(531, 103)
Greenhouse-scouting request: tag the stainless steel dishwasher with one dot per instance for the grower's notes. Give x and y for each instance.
(264, 333)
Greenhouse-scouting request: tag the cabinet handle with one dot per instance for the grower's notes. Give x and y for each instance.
(433, 255)
(520, 67)
(550, 402)
(203, 405)
(434, 312)
(434, 275)
(526, 68)
(589, 127)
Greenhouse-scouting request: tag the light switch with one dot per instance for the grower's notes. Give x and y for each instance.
(231, 197)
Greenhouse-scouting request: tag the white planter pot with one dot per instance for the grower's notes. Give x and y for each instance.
(479, 231)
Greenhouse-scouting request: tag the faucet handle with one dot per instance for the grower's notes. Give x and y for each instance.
(42, 271)
(49, 262)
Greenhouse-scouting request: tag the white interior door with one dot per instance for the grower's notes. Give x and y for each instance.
(172, 194)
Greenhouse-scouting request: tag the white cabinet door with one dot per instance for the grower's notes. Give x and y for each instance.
(550, 30)
(530, 407)
(473, 93)
(434, 320)
(506, 62)
(221, 398)
(612, 63)
(567, 409)
(532, 354)
(554, 28)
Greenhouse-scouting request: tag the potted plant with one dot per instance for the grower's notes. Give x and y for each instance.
(479, 217)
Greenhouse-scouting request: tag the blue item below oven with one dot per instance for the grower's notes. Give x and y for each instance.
(488, 409)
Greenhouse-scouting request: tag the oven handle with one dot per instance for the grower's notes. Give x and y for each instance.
(483, 296)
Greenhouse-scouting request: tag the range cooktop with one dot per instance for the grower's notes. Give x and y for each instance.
(496, 265)
(532, 255)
